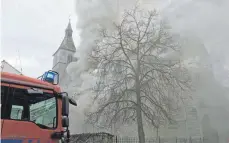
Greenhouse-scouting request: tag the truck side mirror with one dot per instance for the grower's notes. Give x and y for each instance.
(65, 104)
(65, 121)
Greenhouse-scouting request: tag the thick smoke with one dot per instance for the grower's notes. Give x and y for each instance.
(92, 14)
(207, 20)
(203, 23)
(205, 26)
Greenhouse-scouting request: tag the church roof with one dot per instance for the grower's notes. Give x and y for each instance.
(67, 43)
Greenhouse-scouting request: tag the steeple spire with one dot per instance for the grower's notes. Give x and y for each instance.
(68, 31)
(67, 43)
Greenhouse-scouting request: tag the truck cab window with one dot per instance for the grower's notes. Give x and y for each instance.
(43, 110)
(3, 96)
(39, 108)
(18, 104)
(16, 112)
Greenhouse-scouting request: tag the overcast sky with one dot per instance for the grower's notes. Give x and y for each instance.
(33, 30)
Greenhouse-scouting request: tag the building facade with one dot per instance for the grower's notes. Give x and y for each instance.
(6, 67)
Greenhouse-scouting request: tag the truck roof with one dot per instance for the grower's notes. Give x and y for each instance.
(27, 81)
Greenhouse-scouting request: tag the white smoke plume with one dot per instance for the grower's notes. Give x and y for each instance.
(203, 22)
(92, 14)
(207, 20)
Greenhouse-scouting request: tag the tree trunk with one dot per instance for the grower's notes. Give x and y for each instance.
(157, 136)
(141, 134)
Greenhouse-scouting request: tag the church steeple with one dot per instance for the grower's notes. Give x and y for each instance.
(65, 53)
(67, 43)
(68, 31)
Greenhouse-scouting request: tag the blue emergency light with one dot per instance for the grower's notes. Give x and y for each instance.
(51, 77)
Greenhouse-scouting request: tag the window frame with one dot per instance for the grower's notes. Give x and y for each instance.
(9, 102)
(4, 107)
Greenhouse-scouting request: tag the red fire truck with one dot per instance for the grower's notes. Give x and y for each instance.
(34, 110)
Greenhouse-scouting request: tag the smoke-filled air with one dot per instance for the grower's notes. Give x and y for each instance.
(152, 68)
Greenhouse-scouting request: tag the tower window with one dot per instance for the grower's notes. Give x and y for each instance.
(69, 58)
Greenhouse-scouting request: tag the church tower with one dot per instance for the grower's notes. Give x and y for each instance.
(64, 54)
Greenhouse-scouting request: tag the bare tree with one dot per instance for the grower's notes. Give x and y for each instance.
(138, 77)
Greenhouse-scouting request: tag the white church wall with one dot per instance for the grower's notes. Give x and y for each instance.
(62, 56)
(61, 61)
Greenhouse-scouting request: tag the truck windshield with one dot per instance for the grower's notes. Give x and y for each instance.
(40, 109)
(43, 110)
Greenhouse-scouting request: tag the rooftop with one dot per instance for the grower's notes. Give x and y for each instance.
(5, 62)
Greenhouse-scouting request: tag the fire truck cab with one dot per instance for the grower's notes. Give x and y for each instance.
(34, 110)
